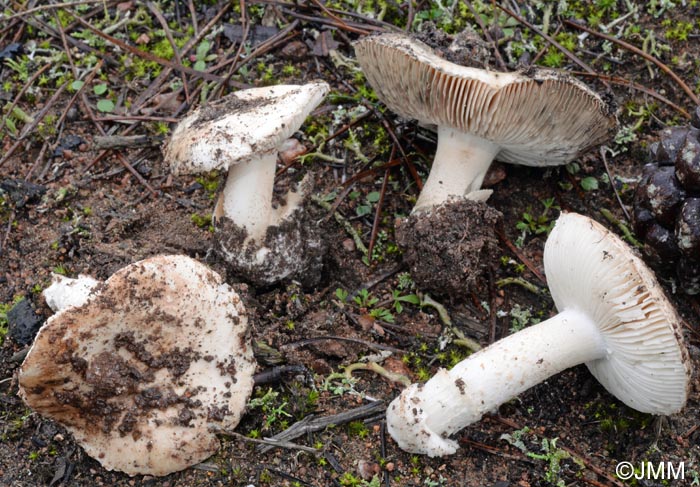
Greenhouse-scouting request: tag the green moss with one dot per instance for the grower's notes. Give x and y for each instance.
(554, 58)
(202, 221)
(677, 30)
(210, 183)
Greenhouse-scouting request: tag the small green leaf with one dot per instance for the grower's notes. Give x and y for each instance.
(77, 84)
(363, 210)
(409, 298)
(105, 106)
(202, 49)
(199, 65)
(589, 183)
(10, 124)
(373, 197)
(100, 89)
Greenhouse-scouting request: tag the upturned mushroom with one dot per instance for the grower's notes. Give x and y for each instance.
(613, 316)
(535, 117)
(242, 133)
(141, 370)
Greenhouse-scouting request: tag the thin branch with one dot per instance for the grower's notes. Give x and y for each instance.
(311, 424)
(268, 442)
(49, 7)
(612, 182)
(641, 53)
(549, 39)
(635, 86)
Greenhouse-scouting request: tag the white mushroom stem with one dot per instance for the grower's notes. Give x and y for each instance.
(247, 196)
(66, 291)
(423, 416)
(459, 167)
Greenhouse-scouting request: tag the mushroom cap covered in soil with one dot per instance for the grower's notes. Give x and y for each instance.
(140, 371)
(613, 316)
(240, 126)
(536, 117)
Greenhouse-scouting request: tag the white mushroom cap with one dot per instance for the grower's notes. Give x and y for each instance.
(537, 118)
(646, 365)
(240, 126)
(140, 370)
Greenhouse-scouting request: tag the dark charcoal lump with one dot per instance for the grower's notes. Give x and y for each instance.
(21, 192)
(448, 247)
(23, 322)
(667, 205)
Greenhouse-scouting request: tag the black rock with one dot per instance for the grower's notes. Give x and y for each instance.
(667, 205)
(688, 162)
(672, 139)
(23, 322)
(665, 195)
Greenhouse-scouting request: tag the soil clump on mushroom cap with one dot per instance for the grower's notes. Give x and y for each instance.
(465, 48)
(447, 248)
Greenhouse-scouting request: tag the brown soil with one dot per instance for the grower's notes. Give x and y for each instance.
(90, 214)
(449, 247)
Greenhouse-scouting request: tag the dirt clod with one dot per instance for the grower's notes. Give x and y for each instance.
(448, 247)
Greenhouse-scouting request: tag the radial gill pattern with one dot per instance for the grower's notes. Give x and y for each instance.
(539, 117)
(590, 269)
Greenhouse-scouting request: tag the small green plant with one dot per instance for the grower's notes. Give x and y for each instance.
(202, 55)
(273, 410)
(60, 269)
(521, 318)
(210, 183)
(589, 183)
(400, 300)
(366, 207)
(365, 299)
(359, 429)
(342, 295)
(551, 454)
(4, 309)
(536, 224)
(350, 480)
(339, 384)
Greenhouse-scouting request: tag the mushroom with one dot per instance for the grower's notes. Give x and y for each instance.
(613, 316)
(242, 133)
(535, 117)
(141, 370)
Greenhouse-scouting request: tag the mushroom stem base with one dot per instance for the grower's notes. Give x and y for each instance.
(424, 415)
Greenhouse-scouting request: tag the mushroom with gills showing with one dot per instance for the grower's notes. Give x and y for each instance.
(145, 366)
(242, 133)
(535, 117)
(613, 316)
